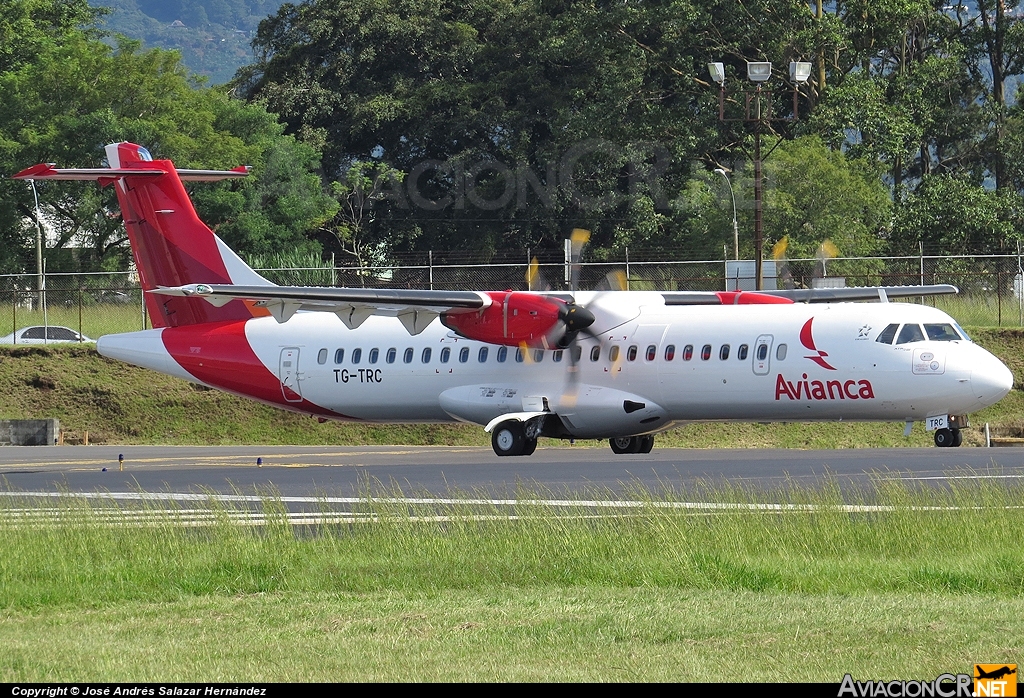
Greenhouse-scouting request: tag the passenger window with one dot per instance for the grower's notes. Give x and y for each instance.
(390, 356)
(425, 356)
(372, 356)
(741, 353)
(723, 353)
(463, 355)
(762, 352)
(321, 357)
(339, 356)
(502, 354)
(705, 352)
(652, 352)
(595, 353)
(910, 333)
(577, 352)
(613, 353)
(942, 333)
(357, 355)
(780, 352)
(481, 355)
(446, 353)
(670, 352)
(519, 356)
(631, 353)
(538, 355)
(407, 356)
(556, 355)
(687, 352)
(886, 336)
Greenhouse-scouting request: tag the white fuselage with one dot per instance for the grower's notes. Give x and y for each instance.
(767, 372)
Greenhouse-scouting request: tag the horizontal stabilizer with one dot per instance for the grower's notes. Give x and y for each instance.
(48, 171)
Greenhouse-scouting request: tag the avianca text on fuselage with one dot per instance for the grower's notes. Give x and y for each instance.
(804, 389)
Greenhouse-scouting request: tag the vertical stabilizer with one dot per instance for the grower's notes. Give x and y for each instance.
(171, 246)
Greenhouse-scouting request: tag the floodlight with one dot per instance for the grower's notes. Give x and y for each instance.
(799, 71)
(758, 71)
(717, 71)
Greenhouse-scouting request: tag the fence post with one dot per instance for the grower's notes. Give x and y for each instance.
(142, 295)
(920, 249)
(79, 313)
(1019, 288)
(999, 295)
(430, 265)
(627, 268)
(14, 313)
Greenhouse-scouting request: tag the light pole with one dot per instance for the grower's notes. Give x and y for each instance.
(759, 72)
(735, 226)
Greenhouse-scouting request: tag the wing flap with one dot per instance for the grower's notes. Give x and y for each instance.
(415, 309)
(811, 295)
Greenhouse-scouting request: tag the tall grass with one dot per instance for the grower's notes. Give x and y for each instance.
(894, 537)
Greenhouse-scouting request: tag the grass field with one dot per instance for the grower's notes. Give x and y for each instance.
(931, 583)
(119, 403)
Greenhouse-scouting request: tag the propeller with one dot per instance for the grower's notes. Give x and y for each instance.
(782, 270)
(826, 251)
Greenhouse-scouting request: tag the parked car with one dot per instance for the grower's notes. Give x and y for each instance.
(39, 334)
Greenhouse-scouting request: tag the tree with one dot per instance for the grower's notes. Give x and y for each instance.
(76, 94)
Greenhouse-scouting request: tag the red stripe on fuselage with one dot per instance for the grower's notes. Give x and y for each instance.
(218, 354)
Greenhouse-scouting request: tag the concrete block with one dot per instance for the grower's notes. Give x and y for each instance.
(29, 432)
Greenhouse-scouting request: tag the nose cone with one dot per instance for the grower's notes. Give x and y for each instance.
(990, 379)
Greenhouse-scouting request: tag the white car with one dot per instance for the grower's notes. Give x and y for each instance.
(39, 334)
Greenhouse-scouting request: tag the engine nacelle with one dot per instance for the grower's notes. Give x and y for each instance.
(513, 318)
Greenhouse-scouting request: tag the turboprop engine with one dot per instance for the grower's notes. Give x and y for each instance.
(515, 318)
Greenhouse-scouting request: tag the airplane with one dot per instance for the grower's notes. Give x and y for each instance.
(616, 365)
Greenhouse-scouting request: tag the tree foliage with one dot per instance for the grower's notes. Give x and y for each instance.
(74, 93)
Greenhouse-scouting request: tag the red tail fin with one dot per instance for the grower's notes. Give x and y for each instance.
(171, 246)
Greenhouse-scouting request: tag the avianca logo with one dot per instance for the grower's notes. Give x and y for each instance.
(807, 339)
(823, 390)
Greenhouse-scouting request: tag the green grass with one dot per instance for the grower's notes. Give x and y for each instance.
(932, 584)
(119, 403)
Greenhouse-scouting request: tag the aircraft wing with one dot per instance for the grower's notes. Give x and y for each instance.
(415, 309)
(806, 295)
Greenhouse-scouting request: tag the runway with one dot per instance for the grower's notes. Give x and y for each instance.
(437, 471)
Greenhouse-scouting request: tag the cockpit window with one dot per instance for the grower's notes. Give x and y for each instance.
(962, 333)
(910, 333)
(888, 334)
(943, 332)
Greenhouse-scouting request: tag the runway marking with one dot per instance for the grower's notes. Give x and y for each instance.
(958, 477)
(247, 460)
(446, 501)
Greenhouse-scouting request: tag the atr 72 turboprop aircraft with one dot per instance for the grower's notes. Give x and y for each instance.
(617, 365)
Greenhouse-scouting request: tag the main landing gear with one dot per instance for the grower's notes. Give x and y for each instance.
(948, 438)
(632, 444)
(511, 438)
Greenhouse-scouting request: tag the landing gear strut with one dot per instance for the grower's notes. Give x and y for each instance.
(948, 438)
(632, 444)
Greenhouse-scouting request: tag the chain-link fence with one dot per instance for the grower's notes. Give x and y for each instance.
(97, 304)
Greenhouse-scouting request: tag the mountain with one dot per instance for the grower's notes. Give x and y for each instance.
(212, 35)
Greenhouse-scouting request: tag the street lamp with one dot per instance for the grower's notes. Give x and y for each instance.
(759, 72)
(735, 226)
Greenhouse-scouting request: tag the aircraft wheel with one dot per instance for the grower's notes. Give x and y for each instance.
(508, 439)
(944, 438)
(958, 438)
(625, 444)
(646, 443)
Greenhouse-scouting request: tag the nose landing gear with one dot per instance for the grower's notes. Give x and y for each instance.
(632, 444)
(948, 438)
